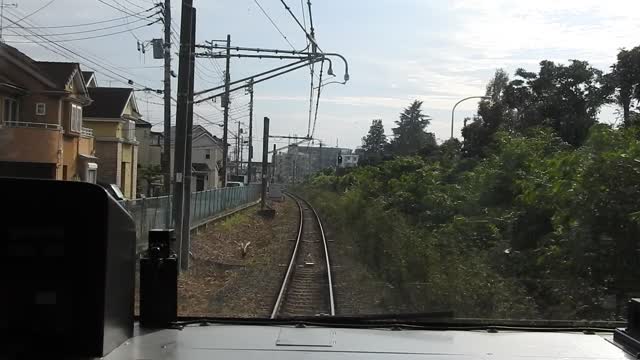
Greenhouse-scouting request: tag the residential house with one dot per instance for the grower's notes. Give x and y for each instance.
(150, 152)
(206, 158)
(41, 128)
(112, 116)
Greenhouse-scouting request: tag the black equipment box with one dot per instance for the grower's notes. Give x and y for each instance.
(67, 251)
(159, 281)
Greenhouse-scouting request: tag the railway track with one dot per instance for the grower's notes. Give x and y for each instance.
(307, 288)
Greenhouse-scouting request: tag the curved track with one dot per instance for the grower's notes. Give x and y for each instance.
(307, 288)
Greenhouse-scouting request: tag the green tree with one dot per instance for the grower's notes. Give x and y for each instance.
(624, 81)
(564, 97)
(150, 174)
(410, 136)
(375, 143)
(493, 114)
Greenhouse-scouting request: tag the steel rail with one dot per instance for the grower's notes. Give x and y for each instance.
(287, 277)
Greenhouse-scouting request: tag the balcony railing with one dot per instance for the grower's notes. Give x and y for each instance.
(86, 132)
(25, 124)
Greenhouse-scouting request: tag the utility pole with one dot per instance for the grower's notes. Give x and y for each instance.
(249, 165)
(265, 154)
(241, 154)
(2, 6)
(225, 103)
(181, 129)
(186, 225)
(166, 160)
(320, 156)
(238, 150)
(273, 164)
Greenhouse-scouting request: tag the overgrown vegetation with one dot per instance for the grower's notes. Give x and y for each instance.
(534, 215)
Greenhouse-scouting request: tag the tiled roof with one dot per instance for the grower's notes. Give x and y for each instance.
(58, 72)
(107, 102)
(196, 132)
(87, 75)
(142, 123)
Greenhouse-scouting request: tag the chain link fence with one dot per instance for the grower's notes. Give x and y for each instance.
(155, 212)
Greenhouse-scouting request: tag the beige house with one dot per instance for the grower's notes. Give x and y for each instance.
(42, 134)
(112, 116)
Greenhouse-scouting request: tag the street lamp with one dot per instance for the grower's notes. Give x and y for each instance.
(467, 98)
(330, 82)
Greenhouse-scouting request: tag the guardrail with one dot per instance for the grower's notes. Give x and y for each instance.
(153, 213)
(26, 124)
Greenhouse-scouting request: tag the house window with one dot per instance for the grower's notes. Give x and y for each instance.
(41, 109)
(207, 154)
(130, 130)
(92, 176)
(76, 118)
(11, 109)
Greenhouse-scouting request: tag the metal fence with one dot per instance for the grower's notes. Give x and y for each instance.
(154, 212)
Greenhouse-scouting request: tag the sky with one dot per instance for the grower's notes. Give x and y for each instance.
(437, 52)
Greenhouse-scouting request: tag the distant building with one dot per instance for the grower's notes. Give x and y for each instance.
(298, 162)
(206, 158)
(347, 161)
(150, 153)
(42, 134)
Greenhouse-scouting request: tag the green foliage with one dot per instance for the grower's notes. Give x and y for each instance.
(624, 82)
(538, 228)
(150, 174)
(375, 143)
(493, 114)
(410, 136)
(566, 98)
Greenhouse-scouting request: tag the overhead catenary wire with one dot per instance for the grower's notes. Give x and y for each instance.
(309, 37)
(274, 24)
(315, 117)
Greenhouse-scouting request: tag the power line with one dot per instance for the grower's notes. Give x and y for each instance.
(37, 10)
(116, 8)
(91, 30)
(78, 39)
(132, 3)
(77, 25)
(75, 53)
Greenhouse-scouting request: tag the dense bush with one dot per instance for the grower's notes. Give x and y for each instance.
(536, 229)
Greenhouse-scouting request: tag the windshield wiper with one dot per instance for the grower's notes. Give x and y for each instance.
(372, 320)
(386, 318)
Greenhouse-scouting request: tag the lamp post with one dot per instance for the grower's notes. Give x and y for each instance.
(454, 108)
(330, 82)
